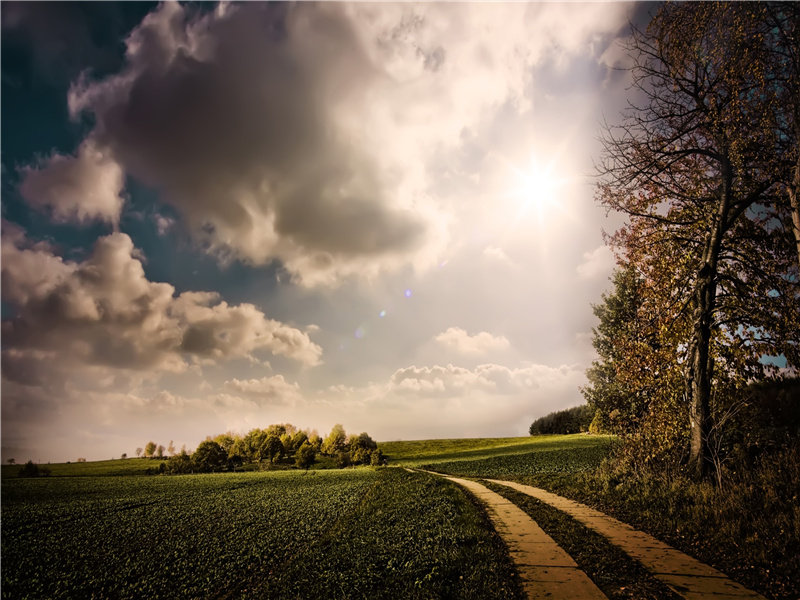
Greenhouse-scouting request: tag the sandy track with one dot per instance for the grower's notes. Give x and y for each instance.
(546, 570)
(685, 575)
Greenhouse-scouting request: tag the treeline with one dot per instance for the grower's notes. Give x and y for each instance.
(265, 448)
(577, 419)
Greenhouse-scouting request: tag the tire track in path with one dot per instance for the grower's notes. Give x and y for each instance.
(686, 576)
(546, 570)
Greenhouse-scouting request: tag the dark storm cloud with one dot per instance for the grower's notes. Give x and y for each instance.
(234, 116)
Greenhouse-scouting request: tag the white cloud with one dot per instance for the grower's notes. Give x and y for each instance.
(598, 263)
(266, 390)
(104, 311)
(311, 146)
(76, 188)
(163, 224)
(459, 340)
(496, 254)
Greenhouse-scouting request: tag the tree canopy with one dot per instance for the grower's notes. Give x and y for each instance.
(700, 165)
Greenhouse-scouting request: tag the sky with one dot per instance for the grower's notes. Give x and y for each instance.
(219, 217)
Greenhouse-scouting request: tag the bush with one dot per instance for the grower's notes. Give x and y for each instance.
(31, 469)
(180, 464)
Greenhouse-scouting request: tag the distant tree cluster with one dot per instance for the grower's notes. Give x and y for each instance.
(31, 469)
(571, 420)
(266, 447)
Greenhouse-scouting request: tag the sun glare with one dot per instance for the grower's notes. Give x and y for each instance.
(536, 188)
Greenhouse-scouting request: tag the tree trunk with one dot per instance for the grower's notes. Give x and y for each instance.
(698, 374)
(794, 190)
(699, 364)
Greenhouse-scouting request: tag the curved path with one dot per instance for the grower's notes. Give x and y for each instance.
(685, 575)
(546, 570)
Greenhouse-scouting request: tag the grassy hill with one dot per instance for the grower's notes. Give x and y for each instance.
(428, 452)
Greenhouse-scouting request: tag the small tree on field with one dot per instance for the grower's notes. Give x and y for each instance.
(171, 448)
(138, 452)
(150, 449)
(11, 461)
(272, 448)
(209, 456)
(335, 442)
(288, 444)
(361, 448)
(160, 451)
(299, 438)
(124, 455)
(31, 469)
(305, 456)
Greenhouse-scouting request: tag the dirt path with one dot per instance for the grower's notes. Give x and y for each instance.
(685, 575)
(547, 571)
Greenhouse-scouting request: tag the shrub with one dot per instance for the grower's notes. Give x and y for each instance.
(31, 469)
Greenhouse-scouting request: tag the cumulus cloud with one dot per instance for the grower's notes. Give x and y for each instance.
(496, 254)
(104, 311)
(233, 115)
(459, 340)
(77, 188)
(301, 132)
(266, 390)
(597, 263)
(489, 378)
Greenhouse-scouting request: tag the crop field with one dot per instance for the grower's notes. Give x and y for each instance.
(563, 452)
(570, 458)
(118, 467)
(332, 534)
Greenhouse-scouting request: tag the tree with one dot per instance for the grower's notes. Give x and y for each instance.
(619, 329)
(171, 448)
(226, 440)
(209, 457)
(138, 452)
(781, 49)
(695, 169)
(288, 443)
(272, 448)
(335, 442)
(305, 456)
(299, 438)
(12, 461)
(181, 464)
(568, 421)
(124, 455)
(361, 448)
(160, 451)
(31, 469)
(149, 449)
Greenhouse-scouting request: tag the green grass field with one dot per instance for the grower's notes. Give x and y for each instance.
(105, 530)
(332, 534)
(438, 452)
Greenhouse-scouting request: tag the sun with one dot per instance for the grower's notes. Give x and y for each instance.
(537, 188)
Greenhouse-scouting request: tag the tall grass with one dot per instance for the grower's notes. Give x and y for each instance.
(748, 526)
